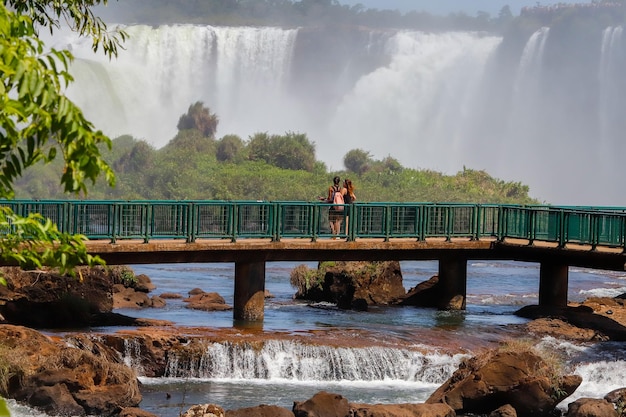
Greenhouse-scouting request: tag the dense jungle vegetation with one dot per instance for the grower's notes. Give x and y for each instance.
(196, 165)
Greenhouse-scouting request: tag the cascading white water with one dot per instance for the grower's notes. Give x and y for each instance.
(416, 108)
(287, 360)
(437, 101)
(609, 104)
(239, 73)
(524, 111)
(529, 70)
(132, 355)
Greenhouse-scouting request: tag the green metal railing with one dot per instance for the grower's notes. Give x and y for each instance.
(276, 220)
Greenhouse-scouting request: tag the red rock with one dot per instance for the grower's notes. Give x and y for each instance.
(322, 404)
(401, 410)
(591, 407)
(262, 410)
(61, 379)
(496, 378)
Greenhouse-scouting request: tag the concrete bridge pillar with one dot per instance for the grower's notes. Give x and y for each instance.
(553, 281)
(452, 283)
(249, 291)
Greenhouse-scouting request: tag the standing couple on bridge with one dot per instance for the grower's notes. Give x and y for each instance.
(340, 196)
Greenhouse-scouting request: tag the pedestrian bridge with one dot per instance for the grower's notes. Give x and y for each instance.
(251, 233)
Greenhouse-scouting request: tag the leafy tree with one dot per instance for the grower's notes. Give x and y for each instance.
(39, 122)
(288, 151)
(200, 118)
(293, 151)
(139, 157)
(259, 147)
(388, 165)
(358, 161)
(190, 140)
(229, 148)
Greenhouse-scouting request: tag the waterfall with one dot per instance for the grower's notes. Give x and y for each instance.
(239, 73)
(525, 112)
(531, 61)
(288, 360)
(132, 355)
(439, 101)
(417, 105)
(609, 69)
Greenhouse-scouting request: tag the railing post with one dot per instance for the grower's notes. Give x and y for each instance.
(315, 212)
(148, 214)
(421, 222)
(623, 236)
(448, 223)
(387, 222)
(277, 216)
(115, 226)
(595, 232)
(191, 222)
(563, 218)
(234, 219)
(476, 216)
(531, 225)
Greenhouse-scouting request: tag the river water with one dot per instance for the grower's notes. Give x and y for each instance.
(413, 350)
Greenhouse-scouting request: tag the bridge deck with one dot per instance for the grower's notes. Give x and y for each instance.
(256, 250)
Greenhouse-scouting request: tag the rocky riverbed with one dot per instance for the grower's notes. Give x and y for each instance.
(83, 373)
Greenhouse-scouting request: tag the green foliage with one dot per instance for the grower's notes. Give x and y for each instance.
(39, 123)
(305, 279)
(78, 15)
(199, 118)
(230, 149)
(4, 409)
(187, 168)
(123, 275)
(289, 151)
(358, 161)
(188, 142)
(35, 241)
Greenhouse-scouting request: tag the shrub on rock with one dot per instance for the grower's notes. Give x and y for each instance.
(351, 285)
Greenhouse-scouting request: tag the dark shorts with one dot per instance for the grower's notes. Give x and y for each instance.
(334, 215)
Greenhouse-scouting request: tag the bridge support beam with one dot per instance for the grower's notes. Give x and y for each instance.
(249, 291)
(452, 283)
(553, 280)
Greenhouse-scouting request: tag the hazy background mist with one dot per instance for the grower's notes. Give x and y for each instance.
(543, 106)
(471, 7)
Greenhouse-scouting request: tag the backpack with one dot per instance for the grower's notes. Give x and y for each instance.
(338, 199)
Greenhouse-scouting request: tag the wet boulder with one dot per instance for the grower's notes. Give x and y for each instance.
(321, 404)
(591, 407)
(262, 410)
(60, 379)
(401, 410)
(350, 285)
(204, 410)
(521, 378)
(206, 301)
